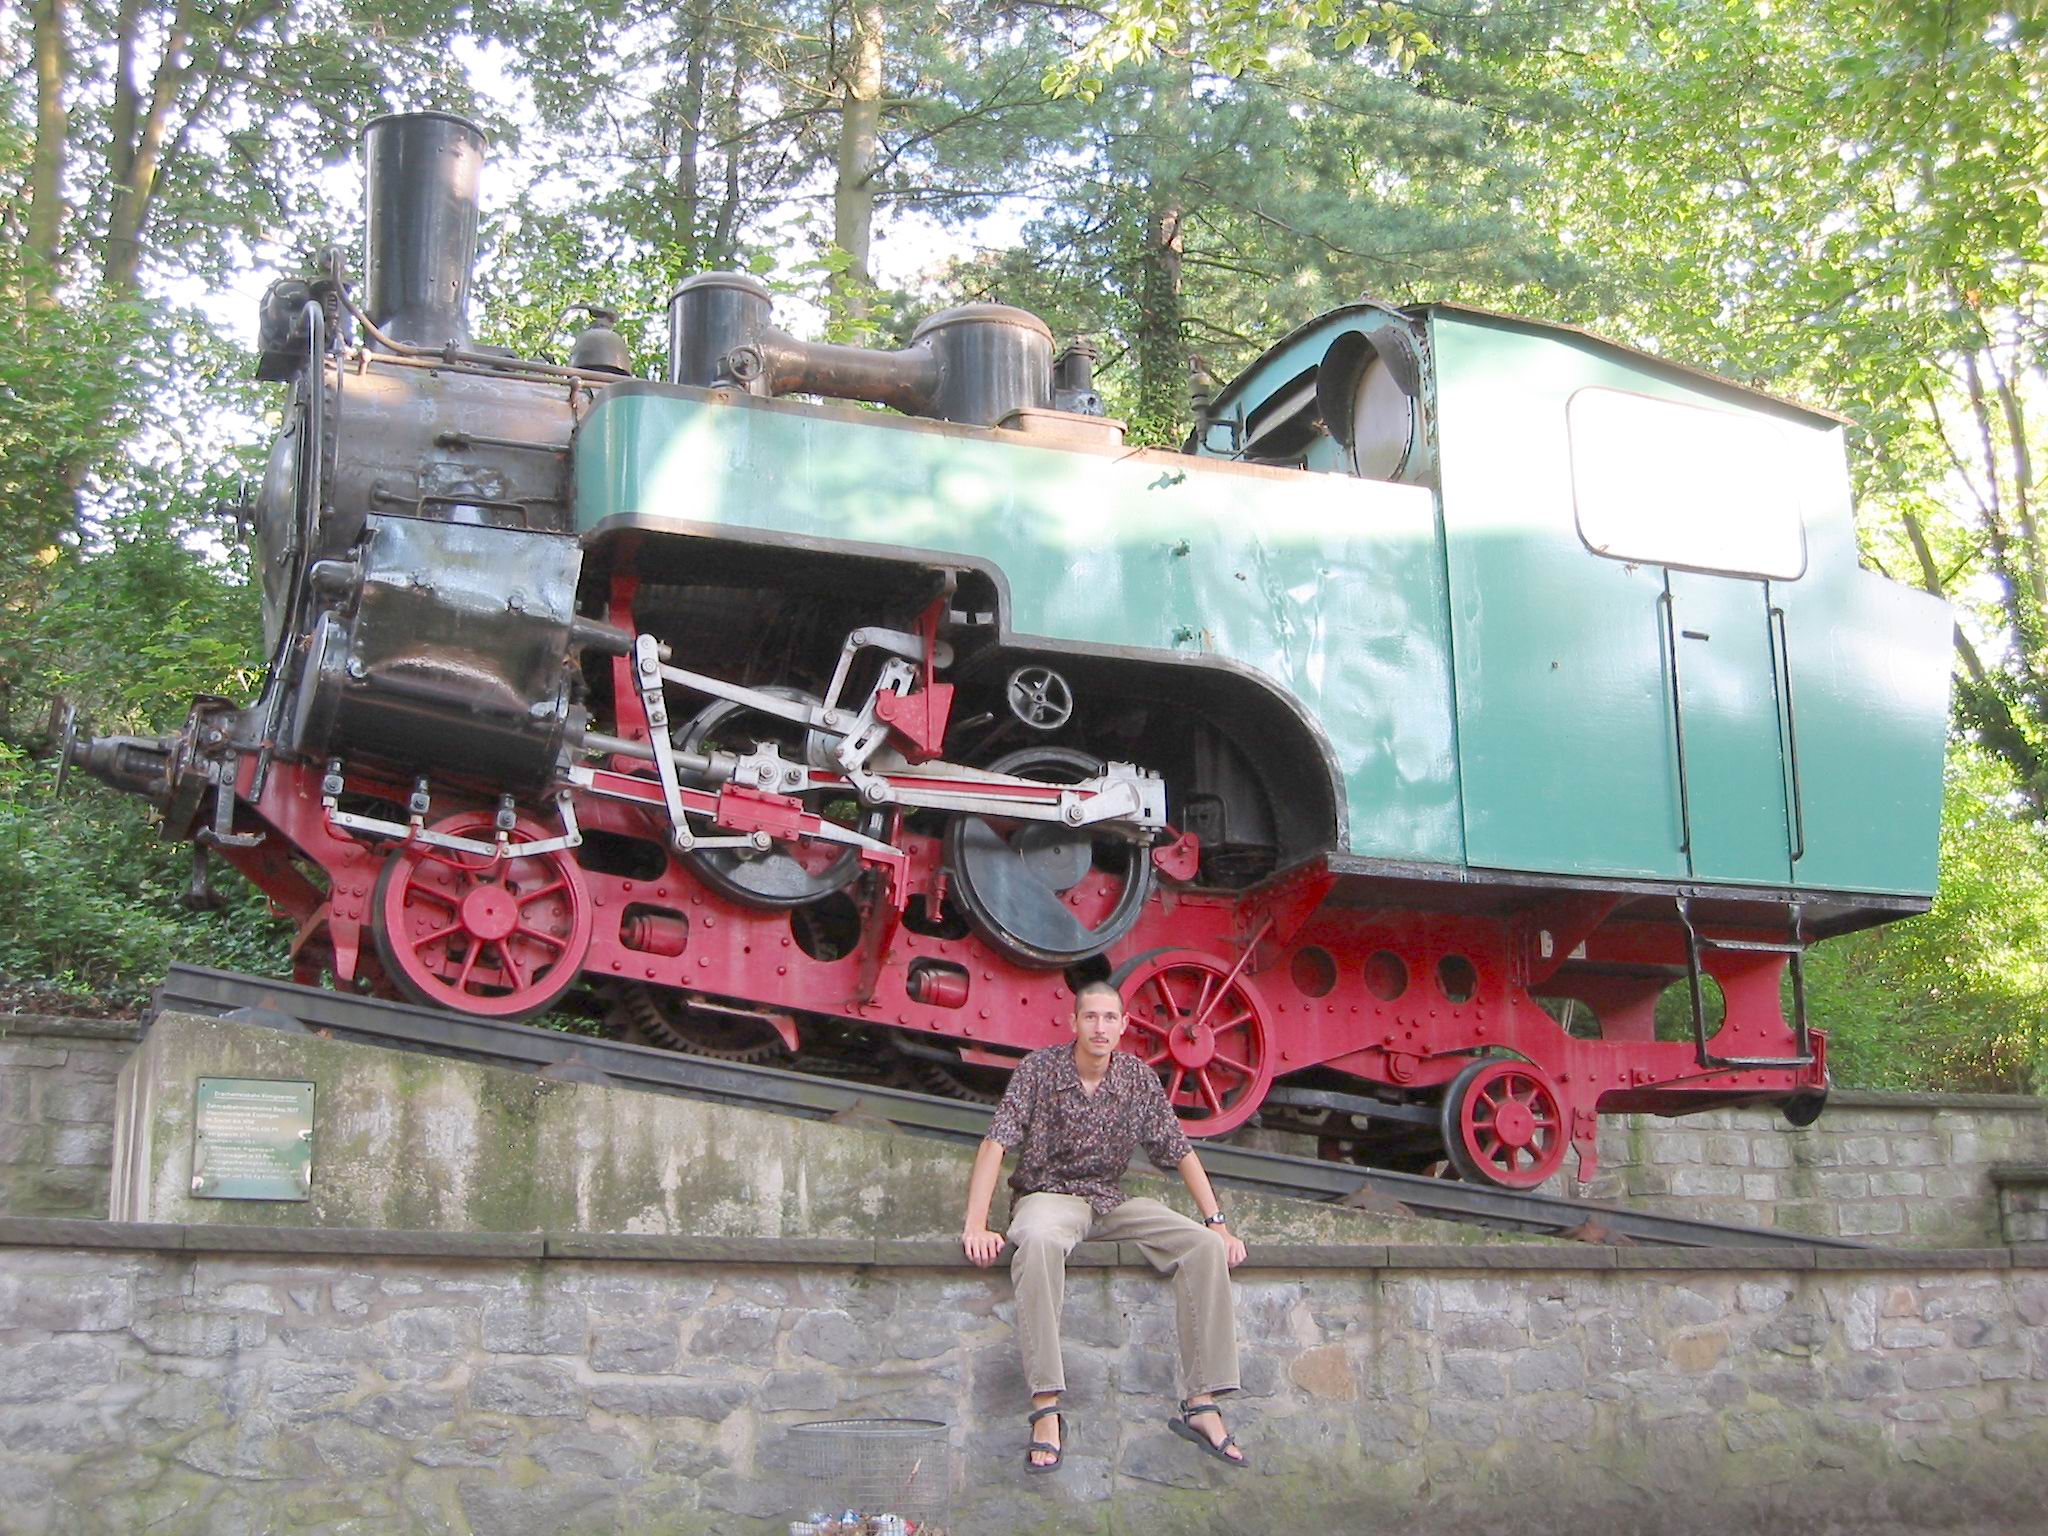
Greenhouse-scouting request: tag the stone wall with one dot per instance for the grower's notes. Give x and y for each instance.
(171, 1379)
(2022, 1201)
(57, 1112)
(1890, 1167)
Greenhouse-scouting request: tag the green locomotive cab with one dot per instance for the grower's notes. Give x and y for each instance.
(1667, 662)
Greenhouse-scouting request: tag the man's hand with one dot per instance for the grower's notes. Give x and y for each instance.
(981, 1245)
(1190, 1170)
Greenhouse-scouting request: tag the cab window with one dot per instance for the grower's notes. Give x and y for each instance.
(1661, 482)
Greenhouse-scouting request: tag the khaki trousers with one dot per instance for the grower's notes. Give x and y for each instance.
(1043, 1231)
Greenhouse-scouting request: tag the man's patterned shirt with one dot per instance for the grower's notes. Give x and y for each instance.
(1069, 1142)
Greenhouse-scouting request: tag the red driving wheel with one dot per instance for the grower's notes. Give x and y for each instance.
(500, 937)
(1203, 1031)
(1504, 1123)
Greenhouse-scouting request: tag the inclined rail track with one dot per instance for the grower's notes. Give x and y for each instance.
(192, 989)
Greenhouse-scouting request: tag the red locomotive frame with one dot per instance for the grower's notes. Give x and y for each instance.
(1226, 991)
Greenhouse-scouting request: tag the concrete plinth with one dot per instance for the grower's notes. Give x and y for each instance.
(429, 1143)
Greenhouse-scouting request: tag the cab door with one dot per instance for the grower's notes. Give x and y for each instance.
(1728, 728)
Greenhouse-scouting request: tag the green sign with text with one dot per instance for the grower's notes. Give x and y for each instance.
(253, 1140)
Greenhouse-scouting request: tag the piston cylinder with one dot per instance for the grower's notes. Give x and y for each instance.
(937, 984)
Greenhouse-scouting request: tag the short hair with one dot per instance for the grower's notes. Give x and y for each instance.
(1097, 985)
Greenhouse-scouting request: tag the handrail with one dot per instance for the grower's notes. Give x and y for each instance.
(310, 488)
(1677, 722)
(1781, 648)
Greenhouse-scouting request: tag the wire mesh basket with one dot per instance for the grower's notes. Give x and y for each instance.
(869, 1477)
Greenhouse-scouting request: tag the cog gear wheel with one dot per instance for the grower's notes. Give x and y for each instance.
(947, 1080)
(665, 1018)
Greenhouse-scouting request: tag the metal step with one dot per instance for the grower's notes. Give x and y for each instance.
(1696, 943)
(192, 989)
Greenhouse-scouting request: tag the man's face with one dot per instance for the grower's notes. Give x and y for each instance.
(1098, 1024)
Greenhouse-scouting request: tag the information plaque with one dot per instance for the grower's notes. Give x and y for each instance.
(253, 1140)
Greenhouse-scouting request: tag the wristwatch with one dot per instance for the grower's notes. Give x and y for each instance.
(1219, 1219)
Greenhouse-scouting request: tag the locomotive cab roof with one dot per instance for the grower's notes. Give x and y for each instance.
(1306, 398)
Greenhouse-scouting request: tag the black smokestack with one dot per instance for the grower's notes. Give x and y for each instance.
(423, 172)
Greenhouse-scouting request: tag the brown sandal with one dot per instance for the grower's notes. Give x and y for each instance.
(1184, 1426)
(1057, 1452)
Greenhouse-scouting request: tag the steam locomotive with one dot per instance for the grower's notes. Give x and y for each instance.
(1464, 684)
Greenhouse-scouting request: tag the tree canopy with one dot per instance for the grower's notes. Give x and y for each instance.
(1843, 201)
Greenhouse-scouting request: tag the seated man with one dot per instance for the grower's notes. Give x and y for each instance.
(1075, 1113)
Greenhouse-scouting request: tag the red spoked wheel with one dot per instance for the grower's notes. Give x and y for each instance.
(503, 938)
(1203, 1031)
(1504, 1123)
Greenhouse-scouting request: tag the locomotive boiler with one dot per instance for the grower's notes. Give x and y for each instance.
(1463, 686)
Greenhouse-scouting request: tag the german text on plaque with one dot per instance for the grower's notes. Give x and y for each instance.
(253, 1140)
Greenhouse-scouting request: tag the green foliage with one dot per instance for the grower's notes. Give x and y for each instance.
(1956, 999)
(1192, 217)
(129, 629)
(91, 895)
(66, 408)
(857, 312)
(539, 266)
(176, 114)
(1825, 196)
(1232, 36)
(62, 414)
(128, 595)
(117, 592)
(133, 630)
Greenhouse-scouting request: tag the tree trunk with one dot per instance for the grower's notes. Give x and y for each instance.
(121, 145)
(46, 170)
(723, 251)
(1161, 339)
(135, 179)
(687, 202)
(2023, 488)
(853, 197)
(2008, 559)
(1160, 344)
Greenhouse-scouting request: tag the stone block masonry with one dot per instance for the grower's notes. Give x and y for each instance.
(229, 1381)
(57, 1112)
(1909, 1169)
(2022, 1200)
